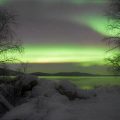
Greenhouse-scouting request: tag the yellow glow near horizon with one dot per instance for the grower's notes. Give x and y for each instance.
(63, 54)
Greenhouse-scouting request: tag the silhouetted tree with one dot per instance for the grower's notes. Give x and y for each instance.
(8, 41)
(8, 44)
(114, 17)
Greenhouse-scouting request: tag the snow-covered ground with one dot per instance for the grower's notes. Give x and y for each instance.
(48, 100)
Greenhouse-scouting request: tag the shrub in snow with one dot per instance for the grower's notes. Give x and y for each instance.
(25, 83)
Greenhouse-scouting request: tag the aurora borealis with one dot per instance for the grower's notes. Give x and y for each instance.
(62, 31)
(64, 53)
(98, 24)
(2, 2)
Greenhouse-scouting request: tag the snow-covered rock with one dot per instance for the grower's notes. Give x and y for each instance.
(67, 88)
(21, 112)
(72, 92)
(48, 100)
(37, 109)
(44, 88)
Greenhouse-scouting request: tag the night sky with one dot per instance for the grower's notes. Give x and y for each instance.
(62, 32)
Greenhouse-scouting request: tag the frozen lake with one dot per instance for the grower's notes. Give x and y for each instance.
(88, 82)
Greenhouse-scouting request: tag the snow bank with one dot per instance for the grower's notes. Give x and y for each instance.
(48, 100)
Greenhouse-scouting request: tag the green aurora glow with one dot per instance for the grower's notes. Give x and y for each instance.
(84, 55)
(76, 2)
(87, 1)
(97, 23)
(3, 2)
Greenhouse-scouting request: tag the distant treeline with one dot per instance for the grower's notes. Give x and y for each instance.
(62, 74)
(8, 72)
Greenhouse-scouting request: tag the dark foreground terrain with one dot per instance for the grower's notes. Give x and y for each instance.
(30, 98)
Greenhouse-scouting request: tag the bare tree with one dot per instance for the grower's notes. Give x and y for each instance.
(113, 14)
(8, 41)
(8, 44)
